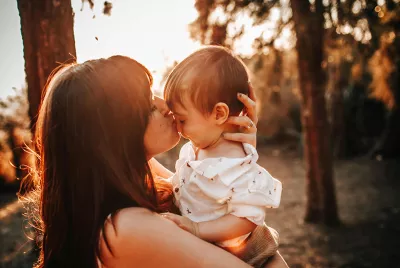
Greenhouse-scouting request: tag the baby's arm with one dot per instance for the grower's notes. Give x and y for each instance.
(224, 228)
(221, 229)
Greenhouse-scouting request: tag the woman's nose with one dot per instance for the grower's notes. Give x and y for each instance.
(162, 106)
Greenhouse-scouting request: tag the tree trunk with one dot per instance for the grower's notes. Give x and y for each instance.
(321, 199)
(339, 82)
(335, 113)
(48, 39)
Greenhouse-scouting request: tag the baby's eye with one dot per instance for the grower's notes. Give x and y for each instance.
(181, 121)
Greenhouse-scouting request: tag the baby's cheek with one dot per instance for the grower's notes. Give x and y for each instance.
(190, 131)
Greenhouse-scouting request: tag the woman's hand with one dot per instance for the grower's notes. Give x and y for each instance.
(247, 120)
(183, 223)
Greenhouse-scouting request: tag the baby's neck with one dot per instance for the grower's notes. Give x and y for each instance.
(221, 148)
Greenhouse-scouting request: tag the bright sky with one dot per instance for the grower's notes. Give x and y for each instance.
(153, 32)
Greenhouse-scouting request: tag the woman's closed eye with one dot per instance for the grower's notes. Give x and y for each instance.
(154, 108)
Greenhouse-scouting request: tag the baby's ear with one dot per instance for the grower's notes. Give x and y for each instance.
(220, 113)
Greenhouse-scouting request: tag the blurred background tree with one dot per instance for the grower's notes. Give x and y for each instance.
(327, 79)
(15, 139)
(48, 42)
(48, 38)
(332, 38)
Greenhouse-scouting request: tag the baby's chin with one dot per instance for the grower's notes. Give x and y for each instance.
(196, 143)
(200, 145)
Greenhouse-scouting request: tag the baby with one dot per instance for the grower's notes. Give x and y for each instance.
(220, 189)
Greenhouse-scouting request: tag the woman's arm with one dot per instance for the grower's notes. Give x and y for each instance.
(221, 229)
(158, 169)
(140, 238)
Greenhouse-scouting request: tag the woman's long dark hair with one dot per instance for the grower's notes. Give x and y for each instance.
(92, 160)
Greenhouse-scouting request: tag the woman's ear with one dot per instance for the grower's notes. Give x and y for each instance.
(220, 113)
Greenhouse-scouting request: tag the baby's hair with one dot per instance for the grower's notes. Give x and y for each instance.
(210, 75)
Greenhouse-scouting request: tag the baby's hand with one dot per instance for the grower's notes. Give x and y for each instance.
(183, 223)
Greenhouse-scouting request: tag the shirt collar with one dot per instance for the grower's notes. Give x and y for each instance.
(228, 169)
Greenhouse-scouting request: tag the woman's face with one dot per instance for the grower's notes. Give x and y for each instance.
(161, 133)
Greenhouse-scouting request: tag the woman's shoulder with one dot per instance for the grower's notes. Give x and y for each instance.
(132, 212)
(128, 231)
(129, 220)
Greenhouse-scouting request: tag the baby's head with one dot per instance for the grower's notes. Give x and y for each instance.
(202, 93)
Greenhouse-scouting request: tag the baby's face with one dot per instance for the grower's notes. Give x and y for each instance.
(192, 124)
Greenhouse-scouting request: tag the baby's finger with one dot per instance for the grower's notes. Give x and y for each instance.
(242, 137)
(250, 107)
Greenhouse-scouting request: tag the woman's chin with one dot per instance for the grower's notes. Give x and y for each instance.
(172, 142)
(175, 138)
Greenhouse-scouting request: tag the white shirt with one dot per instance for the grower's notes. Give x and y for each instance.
(208, 189)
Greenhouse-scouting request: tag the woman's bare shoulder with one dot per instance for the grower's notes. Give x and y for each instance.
(129, 231)
(130, 221)
(134, 213)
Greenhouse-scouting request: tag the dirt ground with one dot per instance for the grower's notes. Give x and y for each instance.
(369, 208)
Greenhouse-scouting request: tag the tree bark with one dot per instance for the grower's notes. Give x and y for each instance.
(339, 82)
(321, 199)
(48, 39)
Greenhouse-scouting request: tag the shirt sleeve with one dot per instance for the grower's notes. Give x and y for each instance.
(255, 214)
(253, 193)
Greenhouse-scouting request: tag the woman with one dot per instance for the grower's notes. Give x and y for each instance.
(97, 132)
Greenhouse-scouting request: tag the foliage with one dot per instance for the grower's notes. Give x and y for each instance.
(382, 66)
(364, 20)
(365, 26)
(359, 36)
(14, 136)
(14, 110)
